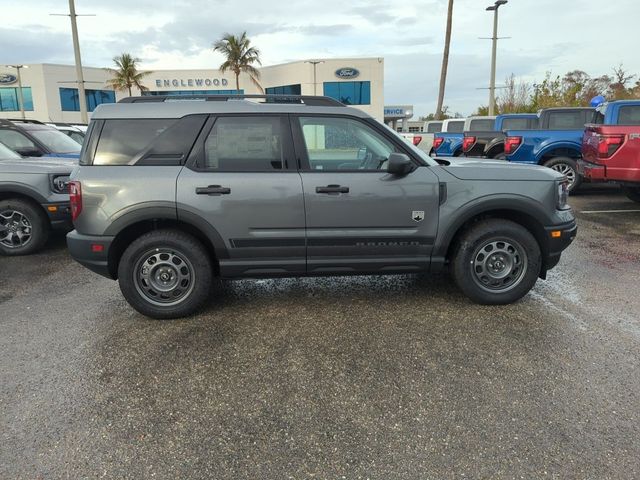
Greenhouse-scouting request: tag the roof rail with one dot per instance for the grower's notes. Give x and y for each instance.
(24, 120)
(311, 100)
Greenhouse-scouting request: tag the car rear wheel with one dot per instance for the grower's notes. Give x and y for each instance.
(569, 168)
(24, 228)
(496, 262)
(633, 193)
(165, 274)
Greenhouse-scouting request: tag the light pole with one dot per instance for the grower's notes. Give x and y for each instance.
(20, 97)
(492, 84)
(315, 83)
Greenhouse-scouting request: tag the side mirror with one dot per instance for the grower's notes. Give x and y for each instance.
(399, 164)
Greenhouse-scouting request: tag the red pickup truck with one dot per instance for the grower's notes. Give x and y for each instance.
(611, 146)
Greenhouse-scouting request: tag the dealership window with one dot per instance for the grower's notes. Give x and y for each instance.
(195, 92)
(9, 99)
(349, 93)
(244, 144)
(69, 99)
(284, 90)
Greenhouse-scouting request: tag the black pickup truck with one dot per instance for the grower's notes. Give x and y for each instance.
(490, 144)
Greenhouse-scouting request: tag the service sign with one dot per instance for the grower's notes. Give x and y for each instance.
(7, 78)
(347, 72)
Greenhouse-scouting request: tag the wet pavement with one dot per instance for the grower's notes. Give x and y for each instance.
(370, 377)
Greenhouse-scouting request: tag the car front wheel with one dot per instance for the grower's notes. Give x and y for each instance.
(496, 262)
(165, 274)
(24, 228)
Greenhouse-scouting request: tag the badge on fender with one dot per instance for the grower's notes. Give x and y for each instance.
(417, 215)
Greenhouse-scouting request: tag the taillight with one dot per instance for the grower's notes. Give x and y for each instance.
(437, 142)
(416, 140)
(467, 143)
(75, 199)
(511, 144)
(609, 144)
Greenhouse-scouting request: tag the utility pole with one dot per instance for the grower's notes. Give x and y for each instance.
(494, 40)
(20, 96)
(82, 98)
(445, 61)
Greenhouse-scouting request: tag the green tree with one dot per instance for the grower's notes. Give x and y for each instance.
(126, 74)
(240, 57)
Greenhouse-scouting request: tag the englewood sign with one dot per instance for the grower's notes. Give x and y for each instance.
(192, 82)
(7, 78)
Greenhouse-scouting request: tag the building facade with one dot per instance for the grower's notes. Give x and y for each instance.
(50, 93)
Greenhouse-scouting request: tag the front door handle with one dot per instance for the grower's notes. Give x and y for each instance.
(332, 189)
(213, 190)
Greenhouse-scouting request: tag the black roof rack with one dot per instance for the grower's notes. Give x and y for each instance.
(24, 120)
(311, 100)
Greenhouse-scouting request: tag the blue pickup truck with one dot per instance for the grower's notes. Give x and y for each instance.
(490, 143)
(448, 143)
(555, 144)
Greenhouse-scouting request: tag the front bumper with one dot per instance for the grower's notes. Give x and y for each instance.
(559, 237)
(59, 214)
(91, 252)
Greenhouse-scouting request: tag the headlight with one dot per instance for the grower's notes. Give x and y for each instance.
(563, 195)
(60, 183)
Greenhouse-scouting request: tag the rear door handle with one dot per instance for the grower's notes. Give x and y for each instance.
(213, 190)
(332, 189)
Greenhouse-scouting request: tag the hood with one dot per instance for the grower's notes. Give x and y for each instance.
(38, 165)
(484, 169)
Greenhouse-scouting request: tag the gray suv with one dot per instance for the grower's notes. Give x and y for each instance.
(172, 193)
(33, 200)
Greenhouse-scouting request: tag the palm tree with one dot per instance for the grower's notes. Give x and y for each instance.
(445, 61)
(240, 57)
(126, 75)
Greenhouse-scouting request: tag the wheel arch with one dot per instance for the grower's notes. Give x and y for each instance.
(207, 235)
(564, 149)
(25, 194)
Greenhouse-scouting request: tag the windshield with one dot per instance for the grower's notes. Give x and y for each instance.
(56, 141)
(7, 154)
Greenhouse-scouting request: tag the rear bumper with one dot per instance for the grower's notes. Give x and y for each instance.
(59, 214)
(84, 251)
(592, 171)
(557, 244)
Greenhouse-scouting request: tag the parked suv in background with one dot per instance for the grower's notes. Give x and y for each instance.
(169, 194)
(31, 138)
(34, 200)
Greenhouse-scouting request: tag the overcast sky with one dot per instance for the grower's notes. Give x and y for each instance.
(546, 35)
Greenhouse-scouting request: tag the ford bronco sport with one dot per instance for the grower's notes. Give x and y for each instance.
(171, 193)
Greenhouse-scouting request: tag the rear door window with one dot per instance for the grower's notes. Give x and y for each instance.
(245, 144)
(16, 140)
(629, 115)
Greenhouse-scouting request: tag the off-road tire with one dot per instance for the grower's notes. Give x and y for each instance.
(38, 221)
(470, 246)
(181, 251)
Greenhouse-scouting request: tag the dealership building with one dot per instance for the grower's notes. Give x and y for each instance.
(50, 93)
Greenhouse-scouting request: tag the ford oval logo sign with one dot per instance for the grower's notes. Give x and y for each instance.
(347, 72)
(7, 78)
